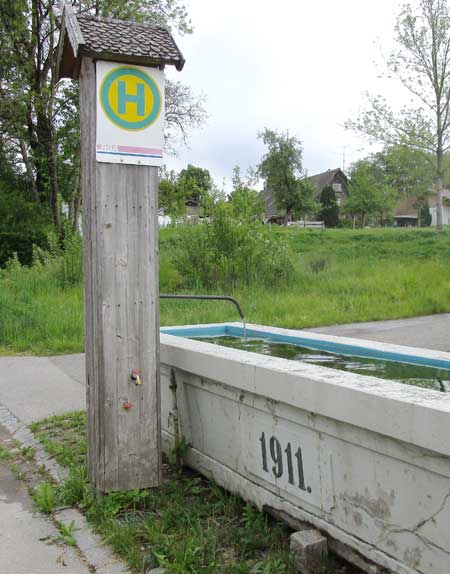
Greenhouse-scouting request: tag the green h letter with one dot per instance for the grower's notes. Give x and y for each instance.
(138, 98)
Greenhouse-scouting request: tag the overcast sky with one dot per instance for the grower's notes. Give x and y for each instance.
(292, 64)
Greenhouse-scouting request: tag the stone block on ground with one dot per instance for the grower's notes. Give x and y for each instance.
(309, 549)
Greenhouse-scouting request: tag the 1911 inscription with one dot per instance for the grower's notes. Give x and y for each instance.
(282, 461)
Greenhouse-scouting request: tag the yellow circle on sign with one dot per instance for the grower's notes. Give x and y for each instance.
(130, 98)
(132, 84)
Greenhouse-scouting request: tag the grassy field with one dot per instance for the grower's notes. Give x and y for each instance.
(340, 276)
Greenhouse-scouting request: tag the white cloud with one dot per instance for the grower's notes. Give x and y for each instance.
(297, 65)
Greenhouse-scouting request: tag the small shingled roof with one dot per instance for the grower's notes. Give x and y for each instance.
(112, 39)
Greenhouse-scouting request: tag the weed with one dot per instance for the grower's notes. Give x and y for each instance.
(67, 534)
(270, 566)
(318, 264)
(28, 452)
(252, 518)
(179, 451)
(5, 454)
(187, 525)
(75, 490)
(45, 497)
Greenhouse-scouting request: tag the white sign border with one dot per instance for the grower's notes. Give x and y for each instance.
(118, 145)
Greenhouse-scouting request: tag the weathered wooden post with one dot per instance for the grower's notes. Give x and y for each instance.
(120, 68)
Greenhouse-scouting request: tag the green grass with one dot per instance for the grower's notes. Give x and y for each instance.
(188, 525)
(340, 276)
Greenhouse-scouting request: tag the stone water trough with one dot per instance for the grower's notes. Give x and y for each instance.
(364, 460)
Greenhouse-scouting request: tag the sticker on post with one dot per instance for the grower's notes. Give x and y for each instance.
(130, 114)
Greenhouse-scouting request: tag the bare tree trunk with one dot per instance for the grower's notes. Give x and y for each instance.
(54, 187)
(439, 188)
(29, 170)
(76, 195)
(76, 212)
(70, 210)
(439, 165)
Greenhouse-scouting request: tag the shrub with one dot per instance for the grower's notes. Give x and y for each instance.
(425, 216)
(22, 222)
(318, 264)
(228, 252)
(63, 258)
(329, 212)
(169, 276)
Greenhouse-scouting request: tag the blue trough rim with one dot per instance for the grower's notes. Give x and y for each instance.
(314, 344)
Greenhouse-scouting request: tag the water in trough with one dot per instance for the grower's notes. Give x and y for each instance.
(419, 376)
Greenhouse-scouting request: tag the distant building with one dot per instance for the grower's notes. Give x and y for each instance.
(193, 214)
(333, 177)
(445, 208)
(406, 213)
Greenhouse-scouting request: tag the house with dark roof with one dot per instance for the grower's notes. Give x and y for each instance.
(334, 178)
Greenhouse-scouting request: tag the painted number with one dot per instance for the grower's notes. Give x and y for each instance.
(276, 465)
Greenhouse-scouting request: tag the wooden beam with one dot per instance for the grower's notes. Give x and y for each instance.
(120, 225)
(73, 29)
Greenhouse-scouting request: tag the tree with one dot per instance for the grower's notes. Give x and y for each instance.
(305, 204)
(246, 202)
(407, 171)
(329, 212)
(191, 184)
(370, 197)
(172, 198)
(195, 183)
(425, 216)
(38, 120)
(22, 222)
(422, 64)
(282, 169)
(184, 111)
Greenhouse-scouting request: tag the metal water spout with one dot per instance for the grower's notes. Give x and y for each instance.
(210, 298)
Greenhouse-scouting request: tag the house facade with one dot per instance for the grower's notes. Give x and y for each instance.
(334, 178)
(406, 212)
(445, 209)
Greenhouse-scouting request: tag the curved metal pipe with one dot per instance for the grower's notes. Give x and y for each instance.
(210, 298)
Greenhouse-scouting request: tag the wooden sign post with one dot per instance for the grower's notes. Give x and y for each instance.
(120, 68)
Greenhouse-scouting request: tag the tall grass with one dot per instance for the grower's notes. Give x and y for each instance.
(339, 276)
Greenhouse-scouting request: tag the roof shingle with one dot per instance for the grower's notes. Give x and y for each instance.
(112, 39)
(129, 39)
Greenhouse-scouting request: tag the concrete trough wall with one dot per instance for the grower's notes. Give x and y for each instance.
(367, 461)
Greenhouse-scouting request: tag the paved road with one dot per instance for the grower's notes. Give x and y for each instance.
(432, 332)
(25, 537)
(34, 388)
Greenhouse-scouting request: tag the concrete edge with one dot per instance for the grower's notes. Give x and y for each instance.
(99, 557)
(386, 407)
